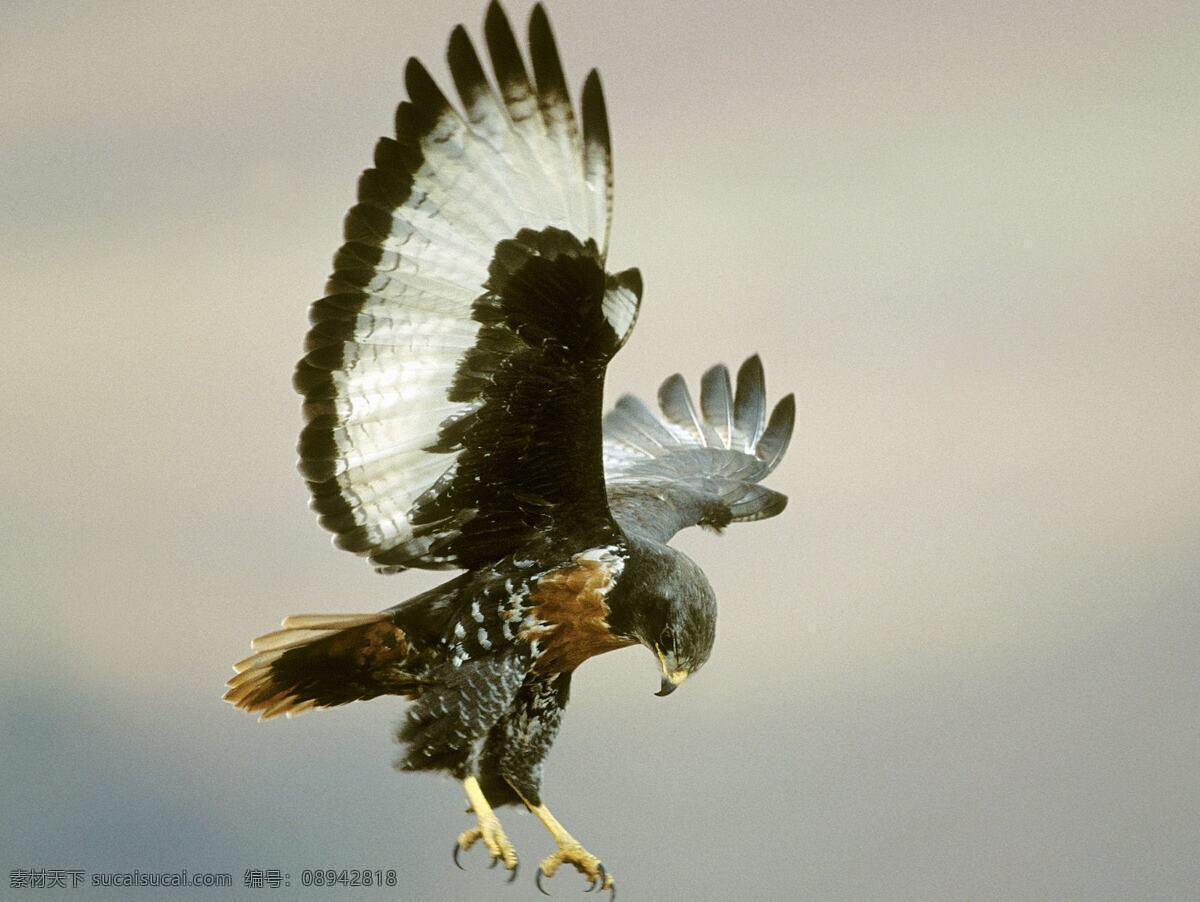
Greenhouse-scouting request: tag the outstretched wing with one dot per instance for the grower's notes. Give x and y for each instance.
(453, 375)
(696, 467)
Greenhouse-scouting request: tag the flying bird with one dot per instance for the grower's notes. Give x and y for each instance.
(453, 383)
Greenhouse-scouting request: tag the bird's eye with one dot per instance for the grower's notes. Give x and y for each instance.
(667, 641)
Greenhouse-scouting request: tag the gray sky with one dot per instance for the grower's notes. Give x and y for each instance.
(962, 665)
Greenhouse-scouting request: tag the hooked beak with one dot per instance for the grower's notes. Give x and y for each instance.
(671, 679)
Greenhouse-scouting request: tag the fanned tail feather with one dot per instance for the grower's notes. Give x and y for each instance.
(320, 661)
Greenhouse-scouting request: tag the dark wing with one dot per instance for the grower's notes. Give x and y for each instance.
(452, 380)
(694, 466)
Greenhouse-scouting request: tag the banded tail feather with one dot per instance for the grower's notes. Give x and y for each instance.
(321, 661)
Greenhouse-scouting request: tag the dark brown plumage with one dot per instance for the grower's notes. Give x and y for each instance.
(453, 384)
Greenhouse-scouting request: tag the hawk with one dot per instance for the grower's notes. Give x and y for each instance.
(453, 383)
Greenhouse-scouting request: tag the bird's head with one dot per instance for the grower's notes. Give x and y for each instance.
(672, 611)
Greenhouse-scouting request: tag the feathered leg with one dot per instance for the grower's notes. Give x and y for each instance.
(510, 768)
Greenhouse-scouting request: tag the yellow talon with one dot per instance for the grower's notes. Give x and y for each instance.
(488, 830)
(583, 860)
(570, 851)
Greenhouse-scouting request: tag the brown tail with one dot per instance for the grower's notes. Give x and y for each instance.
(322, 660)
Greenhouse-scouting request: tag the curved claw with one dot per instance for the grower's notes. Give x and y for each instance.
(594, 883)
(495, 861)
(612, 887)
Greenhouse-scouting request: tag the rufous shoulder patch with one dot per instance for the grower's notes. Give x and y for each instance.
(571, 614)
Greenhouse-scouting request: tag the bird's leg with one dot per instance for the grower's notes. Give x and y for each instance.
(569, 852)
(489, 829)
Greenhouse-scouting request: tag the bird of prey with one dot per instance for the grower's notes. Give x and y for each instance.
(453, 383)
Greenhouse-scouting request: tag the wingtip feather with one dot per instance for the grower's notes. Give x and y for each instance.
(595, 113)
(677, 405)
(750, 401)
(778, 434)
(716, 402)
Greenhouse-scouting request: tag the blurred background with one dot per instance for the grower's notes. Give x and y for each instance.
(963, 665)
